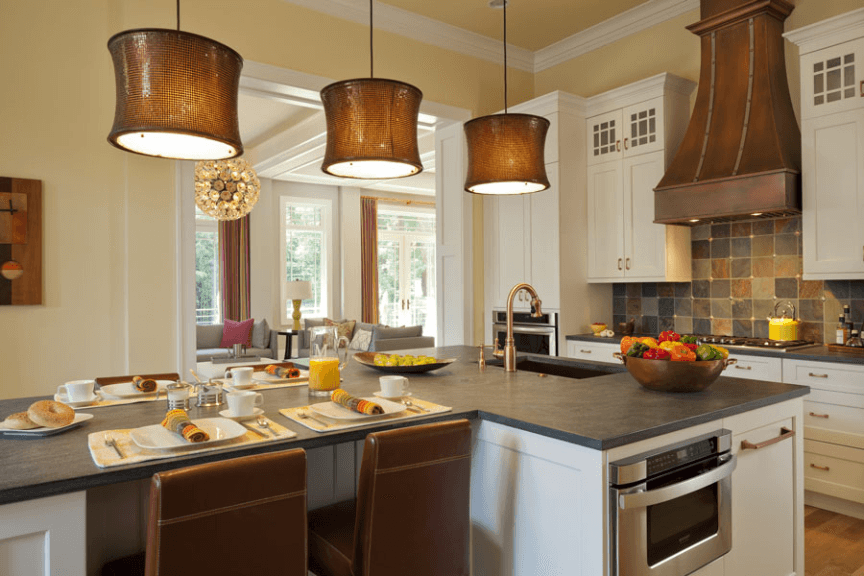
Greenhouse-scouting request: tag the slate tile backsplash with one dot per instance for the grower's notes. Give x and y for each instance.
(740, 271)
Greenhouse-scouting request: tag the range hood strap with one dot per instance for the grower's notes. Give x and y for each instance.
(749, 99)
(710, 104)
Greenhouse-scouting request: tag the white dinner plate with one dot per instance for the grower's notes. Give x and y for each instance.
(227, 414)
(93, 400)
(380, 394)
(265, 378)
(79, 418)
(157, 437)
(339, 412)
(128, 390)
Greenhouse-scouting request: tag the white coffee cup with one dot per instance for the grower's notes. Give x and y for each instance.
(77, 390)
(243, 403)
(241, 376)
(393, 386)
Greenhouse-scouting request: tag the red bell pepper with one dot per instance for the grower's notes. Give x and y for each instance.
(656, 354)
(669, 336)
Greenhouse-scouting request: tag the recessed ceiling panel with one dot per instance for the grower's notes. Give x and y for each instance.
(531, 24)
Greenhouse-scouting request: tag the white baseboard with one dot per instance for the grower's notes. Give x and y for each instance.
(833, 504)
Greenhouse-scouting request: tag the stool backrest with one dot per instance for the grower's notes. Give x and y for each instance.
(240, 516)
(412, 502)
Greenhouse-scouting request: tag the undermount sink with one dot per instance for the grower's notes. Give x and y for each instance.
(551, 368)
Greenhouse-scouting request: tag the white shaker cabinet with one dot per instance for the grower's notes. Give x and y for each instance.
(631, 135)
(527, 242)
(832, 146)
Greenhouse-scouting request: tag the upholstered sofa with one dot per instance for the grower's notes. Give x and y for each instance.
(209, 336)
(382, 338)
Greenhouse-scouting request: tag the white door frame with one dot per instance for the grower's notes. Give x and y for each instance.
(302, 89)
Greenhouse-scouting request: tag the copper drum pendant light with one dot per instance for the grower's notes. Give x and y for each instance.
(506, 151)
(371, 126)
(176, 94)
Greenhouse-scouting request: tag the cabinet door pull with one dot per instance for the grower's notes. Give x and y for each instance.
(408, 303)
(784, 433)
(825, 468)
(740, 367)
(812, 375)
(619, 263)
(625, 144)
(617, 145)
(585, 351)
(814, 415)
(627, 264)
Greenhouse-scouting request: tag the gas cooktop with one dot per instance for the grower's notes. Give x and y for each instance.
(741, 342)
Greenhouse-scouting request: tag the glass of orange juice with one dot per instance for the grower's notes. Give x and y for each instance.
(326, 359)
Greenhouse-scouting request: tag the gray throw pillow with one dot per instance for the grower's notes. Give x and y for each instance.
(261, 334)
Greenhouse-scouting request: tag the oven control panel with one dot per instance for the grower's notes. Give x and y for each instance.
(673, 458)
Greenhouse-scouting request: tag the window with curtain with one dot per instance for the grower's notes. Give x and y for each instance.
(207, 307)
(306, 226)
(406, 267)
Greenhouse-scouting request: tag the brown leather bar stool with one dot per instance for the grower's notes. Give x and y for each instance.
(240, 516)
(411, 513)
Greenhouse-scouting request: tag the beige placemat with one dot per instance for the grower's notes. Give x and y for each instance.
(103, 401)
(104, 456)
(334, 425)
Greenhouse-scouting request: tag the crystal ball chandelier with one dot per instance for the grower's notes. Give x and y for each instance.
(226, 189)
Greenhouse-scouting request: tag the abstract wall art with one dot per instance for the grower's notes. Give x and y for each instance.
(20, 241)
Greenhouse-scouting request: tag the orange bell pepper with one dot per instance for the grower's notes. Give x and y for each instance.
(626, 342)
(682, 354)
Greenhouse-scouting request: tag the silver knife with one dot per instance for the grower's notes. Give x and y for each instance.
(255, 430)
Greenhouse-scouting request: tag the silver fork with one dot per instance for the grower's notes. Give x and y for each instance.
(109, 441)
(306, 416)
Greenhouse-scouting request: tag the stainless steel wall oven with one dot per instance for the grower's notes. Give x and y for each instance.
(534, 335)
(671, 509)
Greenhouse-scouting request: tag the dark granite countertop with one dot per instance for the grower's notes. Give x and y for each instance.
(601, 413)
(815, 353)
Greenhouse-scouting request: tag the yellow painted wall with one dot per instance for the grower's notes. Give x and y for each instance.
(109, 226)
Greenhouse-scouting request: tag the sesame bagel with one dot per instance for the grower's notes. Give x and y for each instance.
(50, 414)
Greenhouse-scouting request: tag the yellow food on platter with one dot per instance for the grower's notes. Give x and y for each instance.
(406, 360)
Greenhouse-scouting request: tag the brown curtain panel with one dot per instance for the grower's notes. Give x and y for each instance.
(369, 256)
(234, 268)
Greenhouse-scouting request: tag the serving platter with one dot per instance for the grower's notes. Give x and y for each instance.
(43, 431)
(128, 390)
(339, 412)
(157, 437)
(368, 359)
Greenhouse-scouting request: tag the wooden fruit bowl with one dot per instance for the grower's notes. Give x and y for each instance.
(668, 376)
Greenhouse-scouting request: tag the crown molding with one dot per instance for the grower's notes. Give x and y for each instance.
(637, 92)
(551, 103)
(423, 29)
(829, 32)
(630, 22)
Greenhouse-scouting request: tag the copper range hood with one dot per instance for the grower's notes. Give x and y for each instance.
(741, 154)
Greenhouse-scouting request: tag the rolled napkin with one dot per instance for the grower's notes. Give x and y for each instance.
(356, 404)
(282, 372)
(144, 384)
(178, 421)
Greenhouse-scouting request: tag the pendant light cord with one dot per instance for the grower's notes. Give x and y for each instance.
(371, 45)
(178, 15)
(505, 56)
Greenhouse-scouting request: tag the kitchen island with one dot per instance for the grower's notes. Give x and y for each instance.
(539, 468)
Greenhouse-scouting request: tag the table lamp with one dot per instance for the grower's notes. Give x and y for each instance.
(297, 291)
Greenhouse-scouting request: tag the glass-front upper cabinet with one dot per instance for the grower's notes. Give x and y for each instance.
(832, 79)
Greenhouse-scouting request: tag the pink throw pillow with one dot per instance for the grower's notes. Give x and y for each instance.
(237, 333)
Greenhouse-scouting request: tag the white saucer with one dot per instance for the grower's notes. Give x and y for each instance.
(93, 400)
(227, 414)
(380, 394)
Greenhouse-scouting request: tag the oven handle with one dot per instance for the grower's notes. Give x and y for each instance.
(652, 497)
(522, 329)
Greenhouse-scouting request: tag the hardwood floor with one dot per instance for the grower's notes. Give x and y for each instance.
(833, 544)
